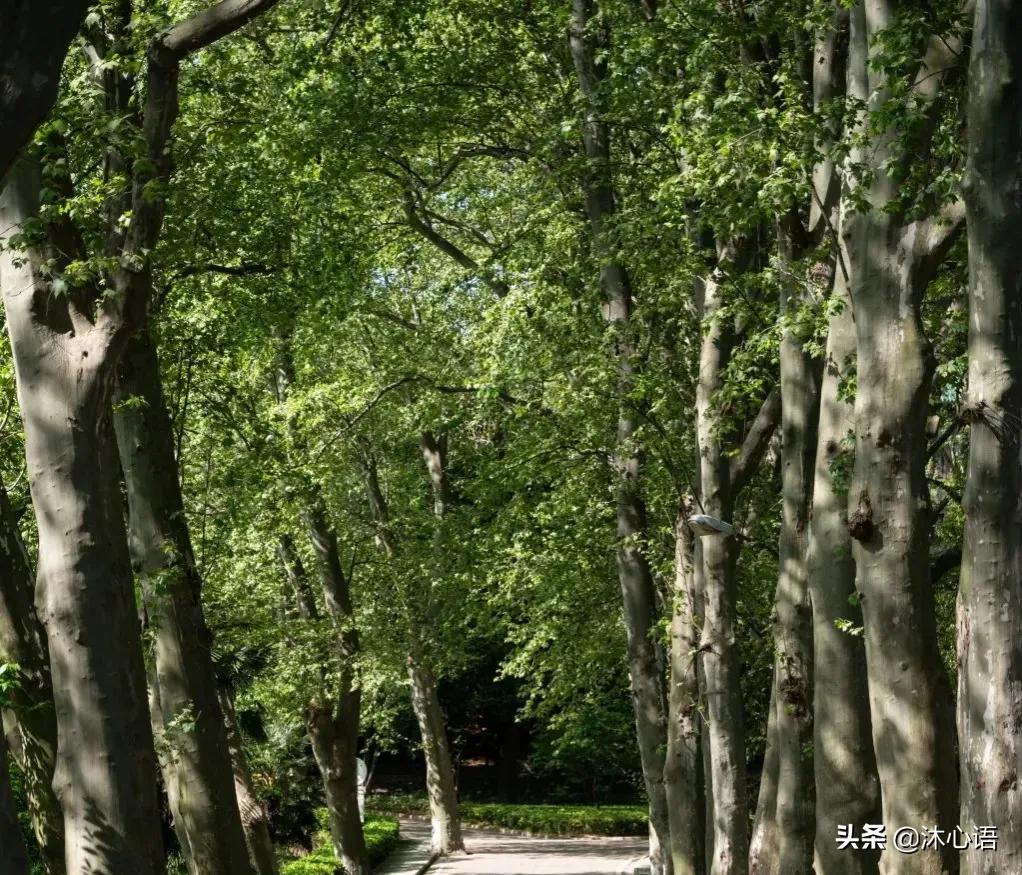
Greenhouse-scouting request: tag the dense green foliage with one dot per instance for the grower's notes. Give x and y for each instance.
(382, 837)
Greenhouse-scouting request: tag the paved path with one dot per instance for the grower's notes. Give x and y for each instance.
(412, 855)
(495, 854)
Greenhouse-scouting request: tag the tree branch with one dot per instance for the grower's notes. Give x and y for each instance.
(756, 441)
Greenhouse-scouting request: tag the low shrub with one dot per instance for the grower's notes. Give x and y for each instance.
(382, 838)
(561, 820)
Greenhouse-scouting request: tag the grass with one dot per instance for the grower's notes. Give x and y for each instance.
(381, 838)
(560, 820)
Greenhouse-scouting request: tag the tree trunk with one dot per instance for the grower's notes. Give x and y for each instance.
(333, 729)
(33, 43)
(194, 743)
(789, 814)
(719, 658)
(29, 720)
(890, 262)
(645, 660)
(990, 596)
(254, 817)
(683, 770)
(105, 776)
(847, 786)
(440, 780)
(13, 857)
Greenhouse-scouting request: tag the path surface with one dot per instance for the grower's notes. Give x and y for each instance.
(495, 854)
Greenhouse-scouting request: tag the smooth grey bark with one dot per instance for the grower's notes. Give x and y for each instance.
(105, 769)
(890, 261)
(440, 778)
(104, 773)
(254, 817)
(645, 660)
(847, 785)
(333, 725)
(194, 757)
(13, 855)
(28, 718)
(34, 41)
(683, 768)
(784, 825)
(990, 595)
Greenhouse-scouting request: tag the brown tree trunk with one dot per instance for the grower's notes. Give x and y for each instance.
(990, 596)
(333, 729)
(440, 779)
(205, 806)
(29, 720)
(645, 660)
(254, 817)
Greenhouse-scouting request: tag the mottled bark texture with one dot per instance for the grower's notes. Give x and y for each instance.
(990, 596)
(784, 827)
(28, 717)
(254, 817)
(729, 851)
(645, 660)
(33, 43)
(63, 354)
(890, 260)
(683, 769)
(847, 786)
(13, 856)
(193, 748)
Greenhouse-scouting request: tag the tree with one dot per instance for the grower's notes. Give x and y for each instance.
(988, 612)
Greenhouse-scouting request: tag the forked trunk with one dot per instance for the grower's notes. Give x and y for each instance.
(990, 596)
(195, 758)
(105, 774)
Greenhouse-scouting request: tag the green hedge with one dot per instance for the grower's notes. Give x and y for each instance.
(562, 820)
(381, 839)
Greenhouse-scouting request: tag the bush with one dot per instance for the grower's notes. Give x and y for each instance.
(562, 820)
(381, 838)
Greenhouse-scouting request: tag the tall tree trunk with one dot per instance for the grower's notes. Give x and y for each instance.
(14, 856)
(890, 262)
(29, 720)
(789, 813)
(990, 596)
(719, 658)
(847, 786)
(440, 779)
(333, 728)
(105, 773)
(33, 43)
(254, 817)
(645, 661)
(197, 760)
(683, 770)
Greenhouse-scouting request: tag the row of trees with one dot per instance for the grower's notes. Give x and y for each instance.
(462, 307)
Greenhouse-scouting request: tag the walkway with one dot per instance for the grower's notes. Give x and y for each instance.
(495, 854)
